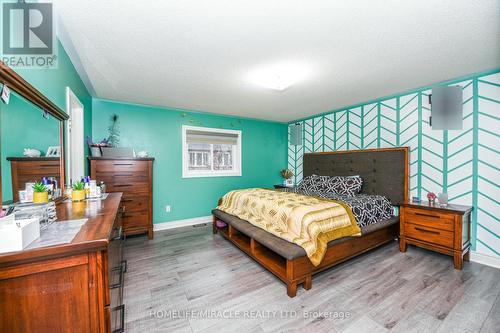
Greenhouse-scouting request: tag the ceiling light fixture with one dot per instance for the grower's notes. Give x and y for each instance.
(278, 77)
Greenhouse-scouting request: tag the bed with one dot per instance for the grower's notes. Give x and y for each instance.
(385, 175)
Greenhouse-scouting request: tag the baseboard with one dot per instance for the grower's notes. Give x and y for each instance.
(485, 259)
(182, 223)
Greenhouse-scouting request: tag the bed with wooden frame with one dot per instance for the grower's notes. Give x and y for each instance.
(385, 171)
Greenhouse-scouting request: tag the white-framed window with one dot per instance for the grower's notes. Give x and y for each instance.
(210, 152)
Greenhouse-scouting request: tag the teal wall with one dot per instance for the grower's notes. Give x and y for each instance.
(23, 127)
(20, 115)
(53, 82)
(464, 164)
(158, 130)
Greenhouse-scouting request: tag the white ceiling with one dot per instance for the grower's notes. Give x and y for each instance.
(198, 55)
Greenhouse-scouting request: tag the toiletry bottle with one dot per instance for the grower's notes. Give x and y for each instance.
(93, 188)
(87, 188)
(103, 187)
(68, 191)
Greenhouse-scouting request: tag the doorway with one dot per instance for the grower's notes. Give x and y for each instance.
(75, 136)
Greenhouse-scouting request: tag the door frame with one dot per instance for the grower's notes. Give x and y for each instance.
(73, 104)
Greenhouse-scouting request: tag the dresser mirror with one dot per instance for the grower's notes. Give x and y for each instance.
(31, 141)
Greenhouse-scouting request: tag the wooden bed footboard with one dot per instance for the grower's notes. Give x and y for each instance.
(300, 270)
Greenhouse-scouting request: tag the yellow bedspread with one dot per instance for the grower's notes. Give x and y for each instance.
(310, 222)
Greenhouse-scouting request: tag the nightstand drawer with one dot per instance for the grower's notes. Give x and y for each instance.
(429, 235)
(429, 219)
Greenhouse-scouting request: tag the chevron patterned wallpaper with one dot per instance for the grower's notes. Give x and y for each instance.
(465, 164)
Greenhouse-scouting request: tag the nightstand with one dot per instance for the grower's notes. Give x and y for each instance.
(277, 186)
(441, 229)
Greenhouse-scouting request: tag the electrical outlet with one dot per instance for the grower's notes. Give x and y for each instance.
(167, 208)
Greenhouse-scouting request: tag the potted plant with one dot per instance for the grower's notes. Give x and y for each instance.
(287, 174)
(431, 196)
(78, 193)
(40, 193)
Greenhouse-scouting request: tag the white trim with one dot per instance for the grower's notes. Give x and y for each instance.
(182, 223)
(72, 152)
(485, 259)
(222, 173)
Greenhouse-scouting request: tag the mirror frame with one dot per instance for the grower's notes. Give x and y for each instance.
(16, 83)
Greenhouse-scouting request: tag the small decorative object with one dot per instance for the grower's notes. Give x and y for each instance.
(40, 193)
(443, 199)
(287, 174)
(114, 132)
(415, 199)
(53, 151)
(142, 154)
(67, 191)
(95, 148)
(29, 191)
(30, 152)
(78, 193)
(23, 196)
(5, 94)
(431, 197)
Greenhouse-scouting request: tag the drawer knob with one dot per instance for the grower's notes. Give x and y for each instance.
(120, 234)
(120, 308)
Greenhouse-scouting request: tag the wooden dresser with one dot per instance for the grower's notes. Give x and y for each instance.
(134, 178)
(31, 169)
(74, 286)
(441, 229)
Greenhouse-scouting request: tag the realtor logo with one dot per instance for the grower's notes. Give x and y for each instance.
(28, 36)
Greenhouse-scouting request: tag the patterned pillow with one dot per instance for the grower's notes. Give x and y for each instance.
(348, 186)
(314, 183)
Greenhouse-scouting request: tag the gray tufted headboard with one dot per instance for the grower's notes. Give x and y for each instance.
(384, 171)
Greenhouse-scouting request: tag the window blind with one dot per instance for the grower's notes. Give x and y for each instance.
(195, 136)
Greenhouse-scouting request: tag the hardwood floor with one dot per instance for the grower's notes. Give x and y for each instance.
(189, 269)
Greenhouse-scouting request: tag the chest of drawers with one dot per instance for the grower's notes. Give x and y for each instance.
(32, 169)
(441, 229)
(134, 178)
(72, 286)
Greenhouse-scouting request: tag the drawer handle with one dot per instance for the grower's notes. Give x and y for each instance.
(127, 215)
(48, 165)
(120, 308)
(123, 175)
(122, 185)
(120, 234)
(124, 265)
(123, 164)
(127, 200)
(427, 215)
(428, 231)
(119, 284)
